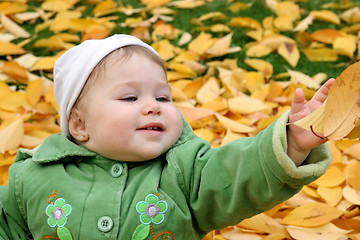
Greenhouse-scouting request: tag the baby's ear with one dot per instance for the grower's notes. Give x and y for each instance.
(77, 126)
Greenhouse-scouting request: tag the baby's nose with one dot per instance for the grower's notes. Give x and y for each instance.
(152, 107)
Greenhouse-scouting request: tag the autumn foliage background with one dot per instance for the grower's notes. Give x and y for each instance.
(233, 67)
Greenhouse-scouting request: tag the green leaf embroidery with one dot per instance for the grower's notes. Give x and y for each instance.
(63, 233)
(141, 232)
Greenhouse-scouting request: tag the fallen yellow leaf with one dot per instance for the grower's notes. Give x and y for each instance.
(11, 136)
(261, 65)
(345, 46)
(233, 125)
(8, 48)
(311, 215)
(209, 91)
(333, 177)
(290, 53)
(326, 15)
(320, 54)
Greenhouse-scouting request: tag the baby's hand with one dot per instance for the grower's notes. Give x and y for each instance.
(301, 141)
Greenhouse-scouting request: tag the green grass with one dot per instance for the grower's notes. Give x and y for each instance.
(258, 11)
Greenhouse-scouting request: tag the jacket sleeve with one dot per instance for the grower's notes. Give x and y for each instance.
(12, 223)
(245, 177)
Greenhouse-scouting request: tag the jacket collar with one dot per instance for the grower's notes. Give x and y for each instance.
(58, 147)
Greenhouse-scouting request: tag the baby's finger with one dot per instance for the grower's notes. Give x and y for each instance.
(322, 93)
(298, 102)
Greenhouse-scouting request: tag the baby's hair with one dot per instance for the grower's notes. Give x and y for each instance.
(119, 55)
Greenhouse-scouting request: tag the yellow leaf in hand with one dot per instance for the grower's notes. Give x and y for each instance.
(314, 121)
(342, 107)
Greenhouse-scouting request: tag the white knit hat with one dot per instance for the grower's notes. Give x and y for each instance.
(73, 68)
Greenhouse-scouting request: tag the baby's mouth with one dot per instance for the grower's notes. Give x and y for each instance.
(152, 127)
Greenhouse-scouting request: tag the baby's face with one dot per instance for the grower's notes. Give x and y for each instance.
(129, 115)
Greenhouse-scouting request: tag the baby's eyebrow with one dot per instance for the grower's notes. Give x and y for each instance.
(135, 84)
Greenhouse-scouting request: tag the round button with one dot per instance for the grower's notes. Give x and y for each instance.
(116, 170)
(105, 224)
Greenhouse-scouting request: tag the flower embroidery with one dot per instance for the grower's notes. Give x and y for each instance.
(57, 213)
(151, 210)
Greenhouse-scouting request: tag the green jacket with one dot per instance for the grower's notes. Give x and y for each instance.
(64, 190)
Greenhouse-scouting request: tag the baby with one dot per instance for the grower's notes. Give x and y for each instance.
(128, 166)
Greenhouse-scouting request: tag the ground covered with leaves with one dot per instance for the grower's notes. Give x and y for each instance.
(233, 67)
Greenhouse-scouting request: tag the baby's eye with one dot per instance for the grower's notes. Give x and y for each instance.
(129, 99)
(163, 99)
